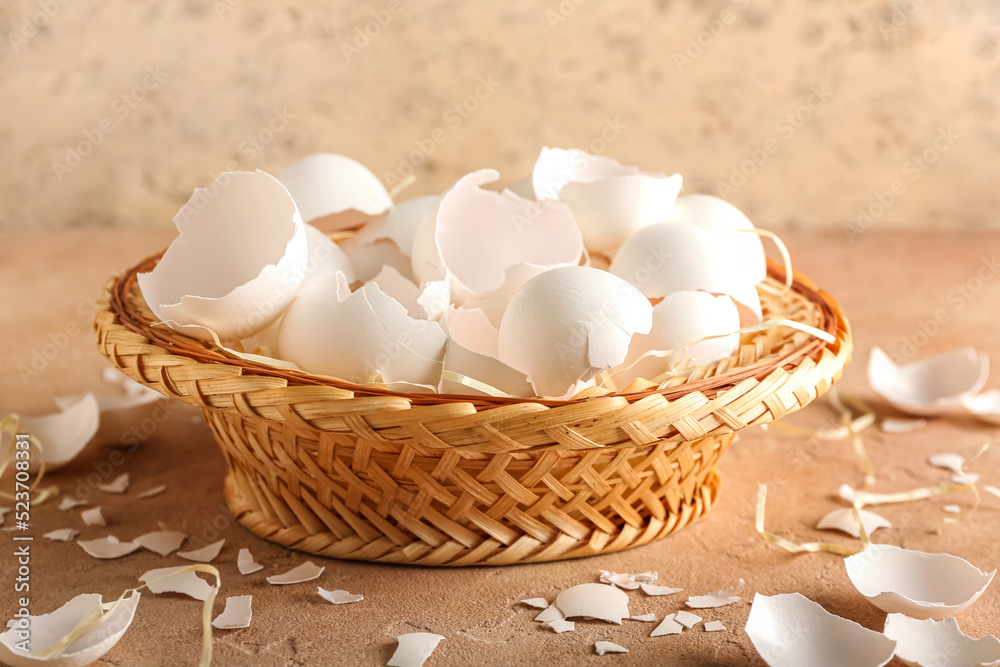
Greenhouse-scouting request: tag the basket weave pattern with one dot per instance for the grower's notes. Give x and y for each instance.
(361, 472)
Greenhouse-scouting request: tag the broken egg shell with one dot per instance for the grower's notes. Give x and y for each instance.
(175, 580)
(560, 626)
(162, 542)
(603, 647)
(205, 554)
(948, 461)
(324, 260)
(716, 599)
(985, 406)
(678, 320)
(392, 283)
(118, 485)
(599, 601)
(328, 184)
(93, 516)
(425, 257)
(245, 562)
(473, 330)
(730, 226)
(652, 589)
(537, 603)
(843, 520)
(413, 649)
(47, 629)
(673, 257)
(374, 334)
(668, 626)
(369, 258)
(200, 280)
(610, 201)
(399, 225)
(896, 425)
(918, 584)
(494, 304)
(931, 386)
(482, 368)
(568, 324)
(339, 597)
(307, 571)
(64, 434)
(480, 233)
(792, 630)
(550, 613)
(237, 613)
(107, 548)
(714, 626)
(62, 535)
(930, 643)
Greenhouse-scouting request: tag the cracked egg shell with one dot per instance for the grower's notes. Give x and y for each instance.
(399, 225)
(203, 280)
(929, 643)
(931, 386)
(609, 200)
(359, 336)
(568, 324)
(918, 584)
(333, 191)
(671, 257)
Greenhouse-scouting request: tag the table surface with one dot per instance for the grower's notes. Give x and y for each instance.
(894, 288)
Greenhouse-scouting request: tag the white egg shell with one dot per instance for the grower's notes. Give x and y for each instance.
(425, 258)
(399, 225)
(610, 200)
(790, 630)
(494, 303)
(334, 191)
(64, 434)
(673, 257)
(391, 282)
(843, 520)
(931, 386)
(46, 629)
(482, 368)
(524, 188)
(986, 406)
(480, 233)
(680, 319)
(359, 336)
(237, 263)
(914, 583)
(599, 601)
(473, 330)
(729, 224)
(929, 643)
(568, 324)
(369, 258)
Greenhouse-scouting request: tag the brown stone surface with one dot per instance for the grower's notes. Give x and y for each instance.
(888, 285)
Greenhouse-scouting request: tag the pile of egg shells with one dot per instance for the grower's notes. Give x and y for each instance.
(584, 267)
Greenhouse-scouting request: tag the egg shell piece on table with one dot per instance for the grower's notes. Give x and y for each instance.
(568, 324)
(790, 630)
(413, 648)
(931, 386)
(680, 319)
(985, 406)
(480, 234)
(64, 434)
(673, 257)
(375, 337)
(600, 601)
(237, 262)
(609, 200)
(929, 643)
(334, 191)
(920, 585)
(730, 227)
(843, 520)
(47, 629)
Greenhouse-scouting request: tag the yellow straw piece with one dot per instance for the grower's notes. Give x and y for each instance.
(10, 425)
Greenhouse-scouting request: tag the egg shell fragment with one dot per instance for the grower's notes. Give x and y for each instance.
(603, 647)
(843, 520)
(480, 233)
(339, 597)
(205, 554)
(305, 572)
(931, 386)
(930, 643)
(679, 320)
(481, 368)
(675, 257)
(47, 629)
(334, 191)
(399, 225)
(375, 337)
(920, 585)
(610, 200)
(413, 649)
(176, 580)
(599, 601)
(108, 548)
(237, 614)
(200, 280)
(789, 630)
(245, 562)
(568, 324)
(985, 406)
(64, 434)
(367, 259)
(163, 542)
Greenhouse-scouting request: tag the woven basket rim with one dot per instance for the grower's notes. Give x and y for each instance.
(832, 321)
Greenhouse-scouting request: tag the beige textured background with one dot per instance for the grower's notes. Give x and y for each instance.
(164, 95)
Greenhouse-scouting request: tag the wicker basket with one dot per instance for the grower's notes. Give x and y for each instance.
(361, 472)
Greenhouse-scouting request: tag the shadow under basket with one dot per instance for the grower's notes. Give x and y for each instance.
(347, 471)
